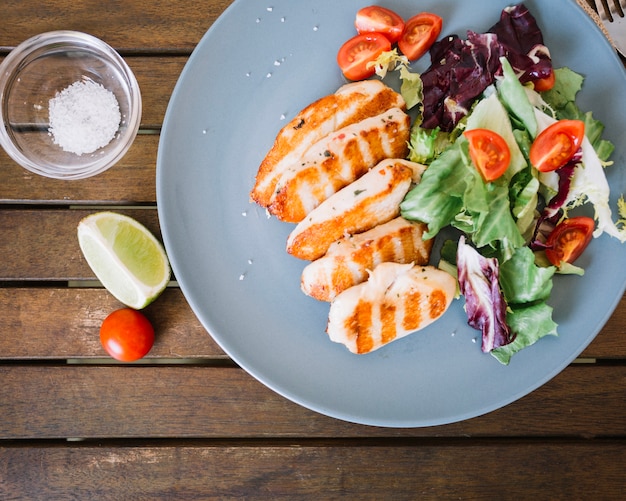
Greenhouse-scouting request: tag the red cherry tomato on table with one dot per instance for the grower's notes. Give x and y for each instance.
(376, 19)
(354, 55)
(127, 335)
(420, 32)
(569, 239)
(556, 145)
(489, 153)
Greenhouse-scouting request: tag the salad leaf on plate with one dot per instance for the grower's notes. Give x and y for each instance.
(531, 323)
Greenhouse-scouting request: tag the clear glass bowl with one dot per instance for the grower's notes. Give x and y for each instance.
(38, 70)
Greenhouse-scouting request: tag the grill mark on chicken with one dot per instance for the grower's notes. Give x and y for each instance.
(437, 303)
(388, 312)
(363, 323)
(413, 314)
(351, 103)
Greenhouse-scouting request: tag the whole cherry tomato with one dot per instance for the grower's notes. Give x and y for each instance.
(127, 335)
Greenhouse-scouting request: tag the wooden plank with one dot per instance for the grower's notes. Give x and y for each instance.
(70, 328)
(57, 256)
(501, 470)
(128, 26)
(73, 317)
(610, 341)
(156, 86)
(131, 180)
(46, 402)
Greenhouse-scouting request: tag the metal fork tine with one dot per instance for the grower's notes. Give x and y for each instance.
(600, 9)
(622, 4)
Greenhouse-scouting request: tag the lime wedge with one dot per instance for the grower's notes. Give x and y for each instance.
(125, 256)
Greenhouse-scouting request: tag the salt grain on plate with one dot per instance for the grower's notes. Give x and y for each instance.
(83, 117)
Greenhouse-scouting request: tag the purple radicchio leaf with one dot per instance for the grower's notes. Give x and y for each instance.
(461, 70)
(542, 230)
(484, 302)
(522, 43)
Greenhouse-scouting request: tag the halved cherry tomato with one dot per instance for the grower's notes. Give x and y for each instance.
(420, 32)
(545, 83)
(569, 239)
(489, 153)
(557, 144)
(127, 335)
(376, 19)
(354, 55)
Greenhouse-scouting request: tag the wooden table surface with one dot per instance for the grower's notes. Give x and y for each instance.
(186, 422)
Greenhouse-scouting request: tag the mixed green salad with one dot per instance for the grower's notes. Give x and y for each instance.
(502, 225)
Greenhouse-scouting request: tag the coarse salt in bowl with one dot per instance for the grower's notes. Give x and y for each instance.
(71, 106)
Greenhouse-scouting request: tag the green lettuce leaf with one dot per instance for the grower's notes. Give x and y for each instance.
(513, 95)
(412, 88)
(530, 323)
(524, 194)
(522, 281)
(567, 84)
(438, 198)
(427, 144)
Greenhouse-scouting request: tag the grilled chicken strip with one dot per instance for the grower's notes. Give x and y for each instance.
(351, 103)
(349, 259)
(372, 199)
(337, 160)
(397, 299)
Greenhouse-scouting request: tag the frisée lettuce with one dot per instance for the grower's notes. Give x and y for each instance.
(588, 182)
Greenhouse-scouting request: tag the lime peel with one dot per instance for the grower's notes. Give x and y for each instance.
(125, 256)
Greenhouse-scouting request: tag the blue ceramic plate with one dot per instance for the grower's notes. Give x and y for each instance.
(258, 65)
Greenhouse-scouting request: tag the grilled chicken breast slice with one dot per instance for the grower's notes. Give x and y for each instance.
(350, 104)
(372, 199)
(349, 259)
(397, 300)
(337, 160)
